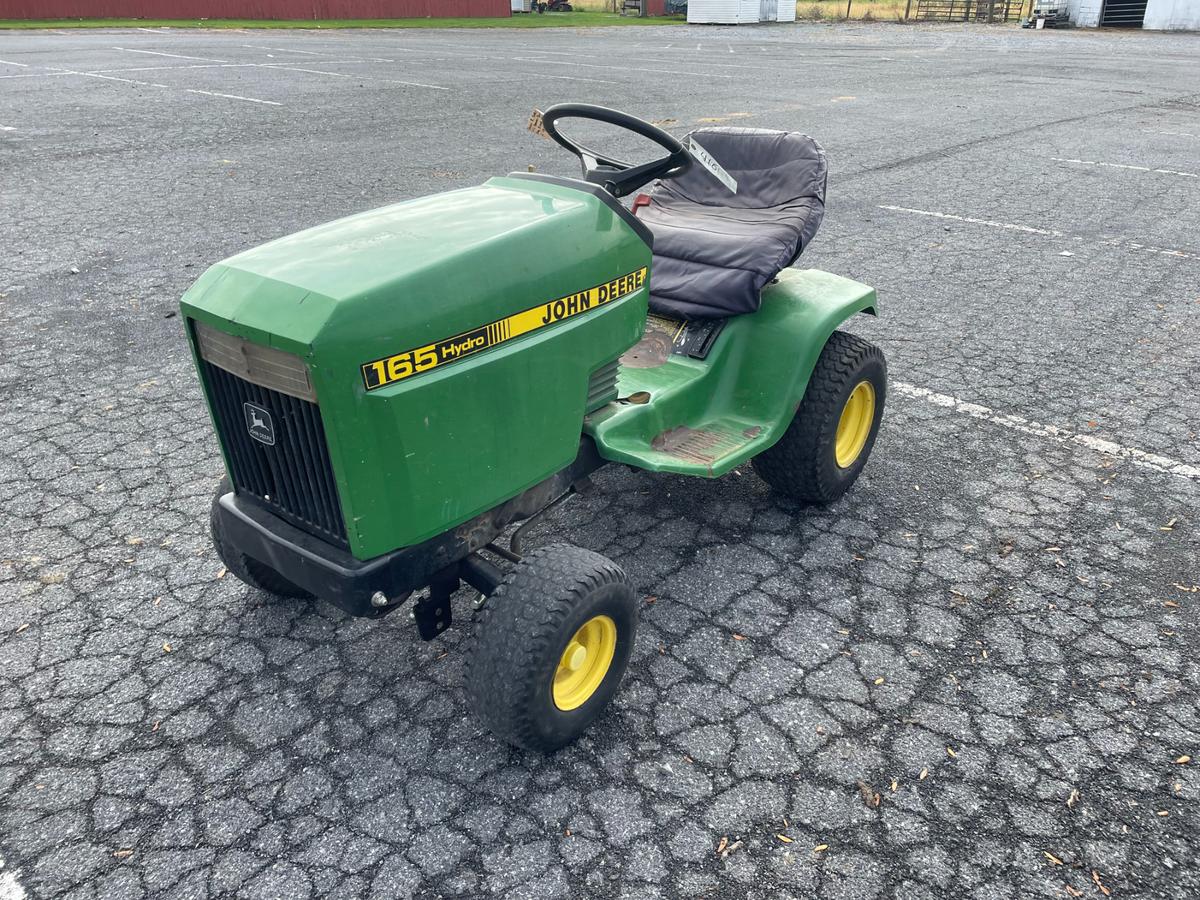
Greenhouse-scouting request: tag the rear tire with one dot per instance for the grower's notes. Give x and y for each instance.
(550, 646)
(804, 464)
(248, 570)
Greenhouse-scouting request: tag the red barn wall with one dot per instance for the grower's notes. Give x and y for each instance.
(250, 9)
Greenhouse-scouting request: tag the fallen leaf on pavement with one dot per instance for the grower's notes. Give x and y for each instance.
(869, 795)
(924, 774)
(820, 848)
(1183, 760)
(1050, 856)
(784, 838)
(1096, 878)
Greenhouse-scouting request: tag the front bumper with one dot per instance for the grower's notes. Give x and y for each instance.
(327, 571)
(333, 574)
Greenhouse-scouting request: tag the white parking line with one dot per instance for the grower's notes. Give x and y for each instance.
(7, 63)
(565, 77)
(114, 78)
(1010, 226)
(233, 97)
(7, 128)
(10, 888)
(281, 67)
(159, 85)
(282, 50)
(1092, 162)
(1151, 461)
(557, 62)
(37, 75)
(1172, 133)
(172, 55)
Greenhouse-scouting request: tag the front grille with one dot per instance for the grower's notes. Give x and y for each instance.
(277, 452)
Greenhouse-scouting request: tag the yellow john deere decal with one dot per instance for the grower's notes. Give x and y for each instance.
(390, 369)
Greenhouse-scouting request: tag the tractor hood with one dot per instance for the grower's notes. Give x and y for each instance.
(424, 332)
(413, 271)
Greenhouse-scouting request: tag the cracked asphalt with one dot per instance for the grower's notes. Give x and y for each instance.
(975, 676)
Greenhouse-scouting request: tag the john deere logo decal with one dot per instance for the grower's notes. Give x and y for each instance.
(259, 424)
(391, 369)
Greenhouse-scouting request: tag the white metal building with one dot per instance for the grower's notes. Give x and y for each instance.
(1165, 15)
(741, 12)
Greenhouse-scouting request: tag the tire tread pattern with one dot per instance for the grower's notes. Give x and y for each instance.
(795, 464)
(517, 629)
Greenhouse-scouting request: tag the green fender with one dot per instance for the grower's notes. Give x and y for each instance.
(704, 417)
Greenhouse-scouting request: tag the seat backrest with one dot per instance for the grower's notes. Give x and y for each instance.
(772, 169)
(715, 250)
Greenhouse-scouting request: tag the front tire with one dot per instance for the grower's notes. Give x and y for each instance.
(248, 570)
(825, 448)
(550, 647)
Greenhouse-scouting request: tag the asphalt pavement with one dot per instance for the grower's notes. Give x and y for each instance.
(975, 676)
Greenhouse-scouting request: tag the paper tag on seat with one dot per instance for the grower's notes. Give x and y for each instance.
(702, 156)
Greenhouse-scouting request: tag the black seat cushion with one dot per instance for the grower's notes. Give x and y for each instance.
(714, 250)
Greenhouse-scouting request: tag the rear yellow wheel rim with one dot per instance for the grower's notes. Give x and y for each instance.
(858, 416)
(584, 662)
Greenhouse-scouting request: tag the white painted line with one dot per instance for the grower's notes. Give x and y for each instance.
(38, 75)
(7, 128)
(233, 97)
(115, 78)
(1151, 461)
(282, 50)
(1092, 162)
(1009, 226)
(171, 68)
(565, 77)
(172, 55)
(556, 62)
(1172, 133)
(158, 85)
(7, 63)
(434, 87)
(10, 888)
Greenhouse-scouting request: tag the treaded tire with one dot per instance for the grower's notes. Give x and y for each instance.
(258, 575)
(803, 464)
(520, 635)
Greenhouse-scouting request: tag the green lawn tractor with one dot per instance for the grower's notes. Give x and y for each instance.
(392, 391)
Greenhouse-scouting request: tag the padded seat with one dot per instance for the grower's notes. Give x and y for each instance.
(714, 251)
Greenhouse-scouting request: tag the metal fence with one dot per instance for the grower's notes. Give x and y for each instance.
(970, 10)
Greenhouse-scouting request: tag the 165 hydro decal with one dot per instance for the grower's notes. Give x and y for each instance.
(382, 372)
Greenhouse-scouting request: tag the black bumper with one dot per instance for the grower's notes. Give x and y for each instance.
(322, 569)
(333, 574)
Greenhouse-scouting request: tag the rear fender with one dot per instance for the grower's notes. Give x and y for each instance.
(704, 417)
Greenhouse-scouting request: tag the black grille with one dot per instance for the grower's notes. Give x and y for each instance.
(292, 477)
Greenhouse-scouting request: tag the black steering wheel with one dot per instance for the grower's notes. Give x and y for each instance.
(616, 177)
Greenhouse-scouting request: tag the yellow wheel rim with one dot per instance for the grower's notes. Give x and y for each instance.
(858, 415)
(584, 662)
